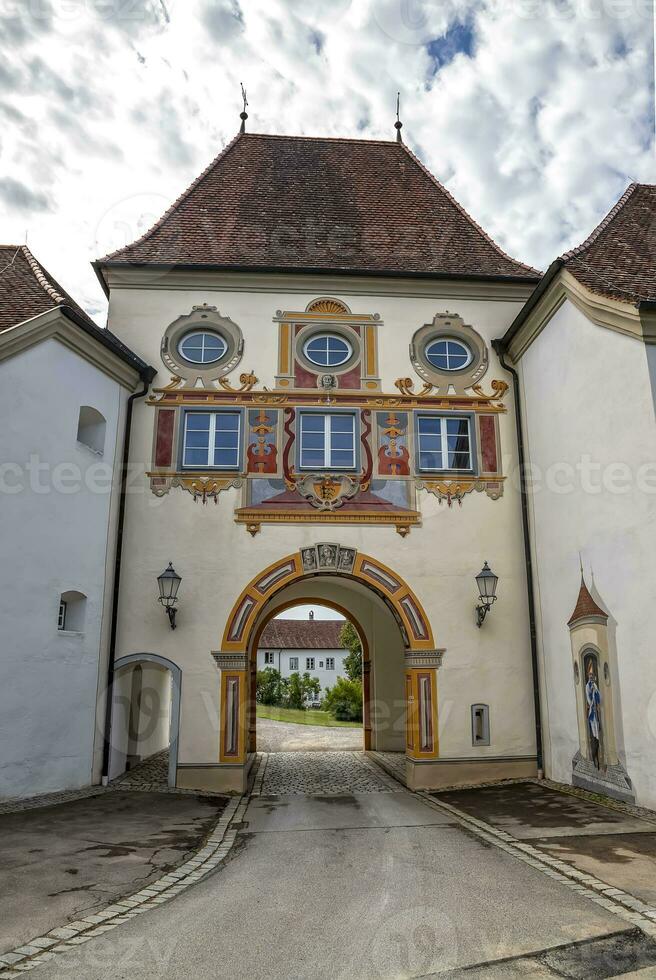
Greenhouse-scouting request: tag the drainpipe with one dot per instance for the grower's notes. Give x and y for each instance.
(500, 351)
(147, 376)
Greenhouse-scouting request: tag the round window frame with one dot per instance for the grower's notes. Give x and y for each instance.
(328, 368)
(449, 326)
(196, 333)
(311, 330)
(454, 340)
(207, 319)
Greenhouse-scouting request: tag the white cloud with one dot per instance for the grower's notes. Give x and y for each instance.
(110, 108)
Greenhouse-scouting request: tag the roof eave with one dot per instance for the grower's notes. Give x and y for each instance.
(523, 280)
(105, 338)
(543, 285)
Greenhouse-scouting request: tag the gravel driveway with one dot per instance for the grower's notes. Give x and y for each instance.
(280, 736)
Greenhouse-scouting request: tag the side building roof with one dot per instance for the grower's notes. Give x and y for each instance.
(27, 289)
(302, 634)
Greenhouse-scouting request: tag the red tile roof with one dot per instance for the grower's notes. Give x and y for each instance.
(27, 289)
(341, 205)
(302, 634)
(585, 606)
(618, 259)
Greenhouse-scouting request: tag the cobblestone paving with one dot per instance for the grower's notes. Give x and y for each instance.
(151, 774)
(323, 774)
(279, 736)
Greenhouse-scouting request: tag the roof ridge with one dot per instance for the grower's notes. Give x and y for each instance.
(465, 213)
(41, 277)
(169, 211)
(603, 224)
(322, 139)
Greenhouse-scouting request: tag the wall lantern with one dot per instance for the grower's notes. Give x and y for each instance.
(486, 581)
(169, 583)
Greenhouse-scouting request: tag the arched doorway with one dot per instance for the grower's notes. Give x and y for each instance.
(402, 698)
(145, 712)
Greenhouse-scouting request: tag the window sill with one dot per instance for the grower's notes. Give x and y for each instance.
(70, 633)
(90, 449)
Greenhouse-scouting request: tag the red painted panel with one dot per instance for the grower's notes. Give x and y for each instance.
(488, 443)
(164, 438)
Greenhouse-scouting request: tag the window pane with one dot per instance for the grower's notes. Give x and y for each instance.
(430, 425)
(197, 440)
(327, 350)
(430, 461)
(195, 457)
(312, 457)
(341, 457)
(313, 440)
(226, 440)
(312, 423)
(342, 440)
(226, 457)
(341, 423)
(198, 420)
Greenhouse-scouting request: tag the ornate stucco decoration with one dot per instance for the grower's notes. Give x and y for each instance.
(450, 490)
(201, 488)
(449, 326)
(328, 557)
(202, 317)
(325, 491)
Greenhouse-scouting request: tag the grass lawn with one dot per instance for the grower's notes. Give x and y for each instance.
(313, 716)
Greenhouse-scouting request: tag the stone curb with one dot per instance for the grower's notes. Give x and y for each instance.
(214, 850)
(620, 903)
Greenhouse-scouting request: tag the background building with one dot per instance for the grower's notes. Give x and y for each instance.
(64, 387)
(310, 645)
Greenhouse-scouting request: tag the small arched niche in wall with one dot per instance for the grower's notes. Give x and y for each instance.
(480, 724)
(91, 429)
(72, 612)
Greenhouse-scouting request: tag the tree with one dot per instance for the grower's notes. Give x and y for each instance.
(301, 689)
(348, 637)
(270, 686)
(344, 700)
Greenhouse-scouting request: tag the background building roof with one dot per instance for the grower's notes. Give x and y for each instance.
(288, 203)
(302, 634)
(619, 258)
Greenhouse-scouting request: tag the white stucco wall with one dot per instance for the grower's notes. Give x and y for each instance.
(589, 403)
(54, 538)
(217, 558)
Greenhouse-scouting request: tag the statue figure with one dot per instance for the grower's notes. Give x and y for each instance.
(593, 700)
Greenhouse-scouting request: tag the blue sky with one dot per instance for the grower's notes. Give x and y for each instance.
(535, 113)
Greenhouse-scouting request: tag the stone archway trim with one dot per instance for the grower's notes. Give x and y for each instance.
(398, 595)
(176, 693)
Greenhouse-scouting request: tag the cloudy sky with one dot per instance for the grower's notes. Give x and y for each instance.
(535, 113)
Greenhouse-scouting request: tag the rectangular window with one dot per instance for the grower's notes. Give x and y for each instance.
(268, 658)
(480, 719)
(293, 663)
(212, 439)
(444, 443)
(321, 663)
(61, 619)
(327, 441)
(330, 663)
(309, 663)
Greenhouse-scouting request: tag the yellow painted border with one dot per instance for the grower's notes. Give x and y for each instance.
(413, 750)
(238, 758)
(394, 595)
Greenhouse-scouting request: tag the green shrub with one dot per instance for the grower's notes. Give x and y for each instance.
(300, 690)
(344, 700)
(270, 686)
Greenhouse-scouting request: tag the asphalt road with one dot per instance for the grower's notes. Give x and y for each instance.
(371, 885)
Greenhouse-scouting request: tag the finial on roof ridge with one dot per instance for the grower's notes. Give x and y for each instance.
(243, 115)
(398, 124)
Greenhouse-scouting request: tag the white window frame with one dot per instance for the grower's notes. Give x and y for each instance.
(309, 663)
(330, 663)
(444, 444)
(61, 618)
(211, 446)
(449, 340)
(293, 663)
(327, 335)
(327, 446)
(203, 334)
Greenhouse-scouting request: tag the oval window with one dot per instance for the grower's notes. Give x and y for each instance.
(327, 350)
(448, 355)
(202, 347)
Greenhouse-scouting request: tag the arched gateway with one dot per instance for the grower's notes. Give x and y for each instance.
(400, 698)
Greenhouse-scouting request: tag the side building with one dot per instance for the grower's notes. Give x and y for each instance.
(584, 348)
(300, 646)
(64, 390)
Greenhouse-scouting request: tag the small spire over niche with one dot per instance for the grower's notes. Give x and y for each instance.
(243, 115)
(398, 124)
